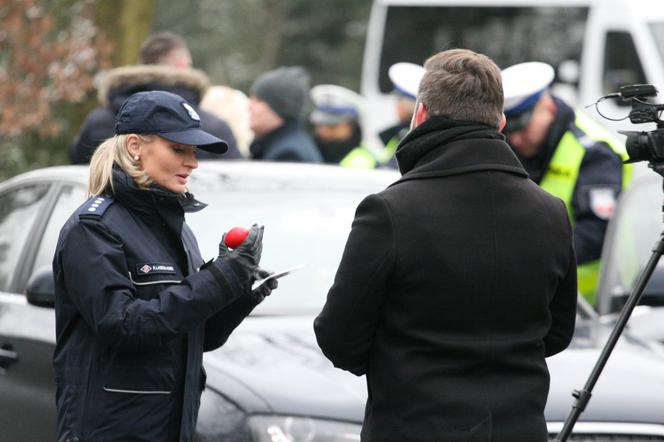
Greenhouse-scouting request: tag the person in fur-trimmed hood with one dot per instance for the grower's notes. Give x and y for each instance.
(156, 74)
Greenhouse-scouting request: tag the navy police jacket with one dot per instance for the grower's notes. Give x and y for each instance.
(134, 315)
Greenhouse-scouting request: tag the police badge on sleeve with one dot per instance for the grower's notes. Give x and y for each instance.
(602, 202)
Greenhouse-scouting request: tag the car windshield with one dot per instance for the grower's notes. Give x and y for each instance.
(630, 239)
(302, 227)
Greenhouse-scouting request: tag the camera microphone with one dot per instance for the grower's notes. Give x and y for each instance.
(637, 90)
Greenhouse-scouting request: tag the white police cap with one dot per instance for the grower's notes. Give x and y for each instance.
(523, 83)
(406, 78)
(335, 104)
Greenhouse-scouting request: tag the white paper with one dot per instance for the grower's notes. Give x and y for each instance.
(276, 275)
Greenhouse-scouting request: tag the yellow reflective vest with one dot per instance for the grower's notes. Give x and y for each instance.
(563, 172)
(359, 157)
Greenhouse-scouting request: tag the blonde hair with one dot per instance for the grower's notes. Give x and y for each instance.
(110, 152)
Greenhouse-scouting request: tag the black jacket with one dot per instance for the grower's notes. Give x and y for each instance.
(133, 317)
(118, 84)
(288, 142)
(456, 282)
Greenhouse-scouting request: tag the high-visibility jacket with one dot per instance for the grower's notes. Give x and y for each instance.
(360, 157)
(562, 174)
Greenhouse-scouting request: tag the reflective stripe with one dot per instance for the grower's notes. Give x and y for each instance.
(115, 390)
(563, 171)
(359, 158)
(162, 281)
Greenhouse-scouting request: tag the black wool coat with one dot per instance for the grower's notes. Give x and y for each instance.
(456, 282)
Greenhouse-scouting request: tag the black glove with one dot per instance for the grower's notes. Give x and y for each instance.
(239, 266)
(264, 289)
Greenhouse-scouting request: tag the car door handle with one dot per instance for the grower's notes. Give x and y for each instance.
(7, 357)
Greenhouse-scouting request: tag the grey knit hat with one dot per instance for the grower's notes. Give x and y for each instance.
(284, 89)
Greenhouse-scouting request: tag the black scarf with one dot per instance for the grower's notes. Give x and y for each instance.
(153, 204)
(434, 134)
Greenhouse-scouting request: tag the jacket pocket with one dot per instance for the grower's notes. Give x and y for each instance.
(139, 380)
(148, 285)
(146, 280)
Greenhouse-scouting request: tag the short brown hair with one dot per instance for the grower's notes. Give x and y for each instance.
(158, 46)
(460, 84)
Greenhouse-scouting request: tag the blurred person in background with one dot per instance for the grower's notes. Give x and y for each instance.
(165, 64)
(276, 105)
(232, 106)
(406, 79)
(570, 156)
(135, 304)
(336, 124)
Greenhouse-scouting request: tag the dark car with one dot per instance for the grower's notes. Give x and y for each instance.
(270, 382)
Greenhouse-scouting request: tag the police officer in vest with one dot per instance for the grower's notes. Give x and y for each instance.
(568, 155)
(336, 125)
(406, 80)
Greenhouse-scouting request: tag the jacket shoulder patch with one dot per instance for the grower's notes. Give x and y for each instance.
(95, 207)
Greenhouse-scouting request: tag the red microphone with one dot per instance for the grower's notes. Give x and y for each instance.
(235, 236)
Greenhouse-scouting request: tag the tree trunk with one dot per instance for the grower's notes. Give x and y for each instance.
(126, 24)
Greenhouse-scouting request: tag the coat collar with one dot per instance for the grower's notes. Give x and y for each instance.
(155, 203)
(260, 146)
(441, 147)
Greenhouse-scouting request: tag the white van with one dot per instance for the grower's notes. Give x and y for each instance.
(596, 46)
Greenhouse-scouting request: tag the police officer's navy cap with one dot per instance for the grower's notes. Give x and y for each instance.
(167, 115)
(523, 85)
(406, 78)
(335, 104)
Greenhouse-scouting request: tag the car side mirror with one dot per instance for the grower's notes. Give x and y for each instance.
(40, 290)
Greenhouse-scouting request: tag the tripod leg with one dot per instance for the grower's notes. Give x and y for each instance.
(583, 396)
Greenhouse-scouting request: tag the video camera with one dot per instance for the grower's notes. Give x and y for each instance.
(643, 146)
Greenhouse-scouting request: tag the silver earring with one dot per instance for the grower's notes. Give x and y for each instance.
(136, 157)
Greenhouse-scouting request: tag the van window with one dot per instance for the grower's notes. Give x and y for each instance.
(508, 35)
(657, 30)
(621, 62)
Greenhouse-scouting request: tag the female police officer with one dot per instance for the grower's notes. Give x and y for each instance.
(133, 311)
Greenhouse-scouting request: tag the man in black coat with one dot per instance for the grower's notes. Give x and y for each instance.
(457, 280)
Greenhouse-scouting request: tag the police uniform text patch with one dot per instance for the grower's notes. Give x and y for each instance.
(153, 268)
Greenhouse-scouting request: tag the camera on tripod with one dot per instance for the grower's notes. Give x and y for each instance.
(643, 146)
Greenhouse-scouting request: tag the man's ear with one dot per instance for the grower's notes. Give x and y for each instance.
(503, 122)
(420, 116)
